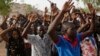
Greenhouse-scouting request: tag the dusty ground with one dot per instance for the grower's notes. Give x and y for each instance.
(2, 49)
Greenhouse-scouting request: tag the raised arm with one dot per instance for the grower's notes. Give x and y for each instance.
(49, 1)
(32, 19)
(4, 32)
(52, 28)
(92, 21)
(65, 16)
(83, 25)
(90, 31)
(3, 26)
(25, 30)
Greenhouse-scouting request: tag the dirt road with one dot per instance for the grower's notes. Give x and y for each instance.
(2, 49)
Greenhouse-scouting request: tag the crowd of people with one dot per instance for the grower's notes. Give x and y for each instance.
(66, 32)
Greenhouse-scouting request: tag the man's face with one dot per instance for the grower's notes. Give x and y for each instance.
(71, 32)
(73, 15)
(53, 8)
(40, 31)
(15, 34)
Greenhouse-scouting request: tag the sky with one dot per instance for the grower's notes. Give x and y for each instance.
(41, 4)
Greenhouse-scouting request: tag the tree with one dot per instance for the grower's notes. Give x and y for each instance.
(95, 3)
(5, 7)
(28, 9)
(91, 1)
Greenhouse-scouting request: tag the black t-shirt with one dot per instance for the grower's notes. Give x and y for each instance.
(16, 47)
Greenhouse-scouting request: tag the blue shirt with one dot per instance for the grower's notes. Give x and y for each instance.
(65, 48)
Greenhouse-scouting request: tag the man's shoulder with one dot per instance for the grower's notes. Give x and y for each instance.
(46, 36)
(31, 35)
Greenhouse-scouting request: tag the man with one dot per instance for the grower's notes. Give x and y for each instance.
(41, 44)
(67, 44)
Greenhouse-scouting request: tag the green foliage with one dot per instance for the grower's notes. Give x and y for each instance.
(29, 9)
(86, 10)
(95, 3)
(5, 7)
(98, 2)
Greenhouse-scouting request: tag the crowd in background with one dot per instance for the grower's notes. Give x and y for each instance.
(35, 35)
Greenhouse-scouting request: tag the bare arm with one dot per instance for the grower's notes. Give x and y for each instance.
(90, 31)
(63, 19)
(82, 27)
(51, 31)
(65, 16)
(3, 34)
(49, 1)
(82, 18)
(3, 26)
(26, 29)
(25, 24)
(32, 19)
(52, 28)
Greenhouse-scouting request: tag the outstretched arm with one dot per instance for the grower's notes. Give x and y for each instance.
(32, 19)
(4, 32)
(52, 28)
(91, 29)
(83, 25)
(26, 29)
(49, 1)
(92, 21)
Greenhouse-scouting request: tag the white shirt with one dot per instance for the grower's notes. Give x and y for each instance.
(98, 37)
(8, 22)
(40, 47)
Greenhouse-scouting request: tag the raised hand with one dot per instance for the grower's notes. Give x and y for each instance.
(13, 26)
(67, 6)
(49, 1)
(32, 18)
(91, 8)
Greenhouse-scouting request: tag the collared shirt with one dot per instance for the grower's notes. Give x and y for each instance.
(66, 48)
(40, 47)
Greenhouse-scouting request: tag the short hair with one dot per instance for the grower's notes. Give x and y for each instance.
(52, 4)
(16, 30)
(66, 25)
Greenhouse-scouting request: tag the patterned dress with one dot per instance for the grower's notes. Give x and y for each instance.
(88, 47)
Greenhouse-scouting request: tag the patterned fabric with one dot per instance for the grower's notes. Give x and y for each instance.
(10, 21)
(16, 47)
(88, 47)
(40, 47)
